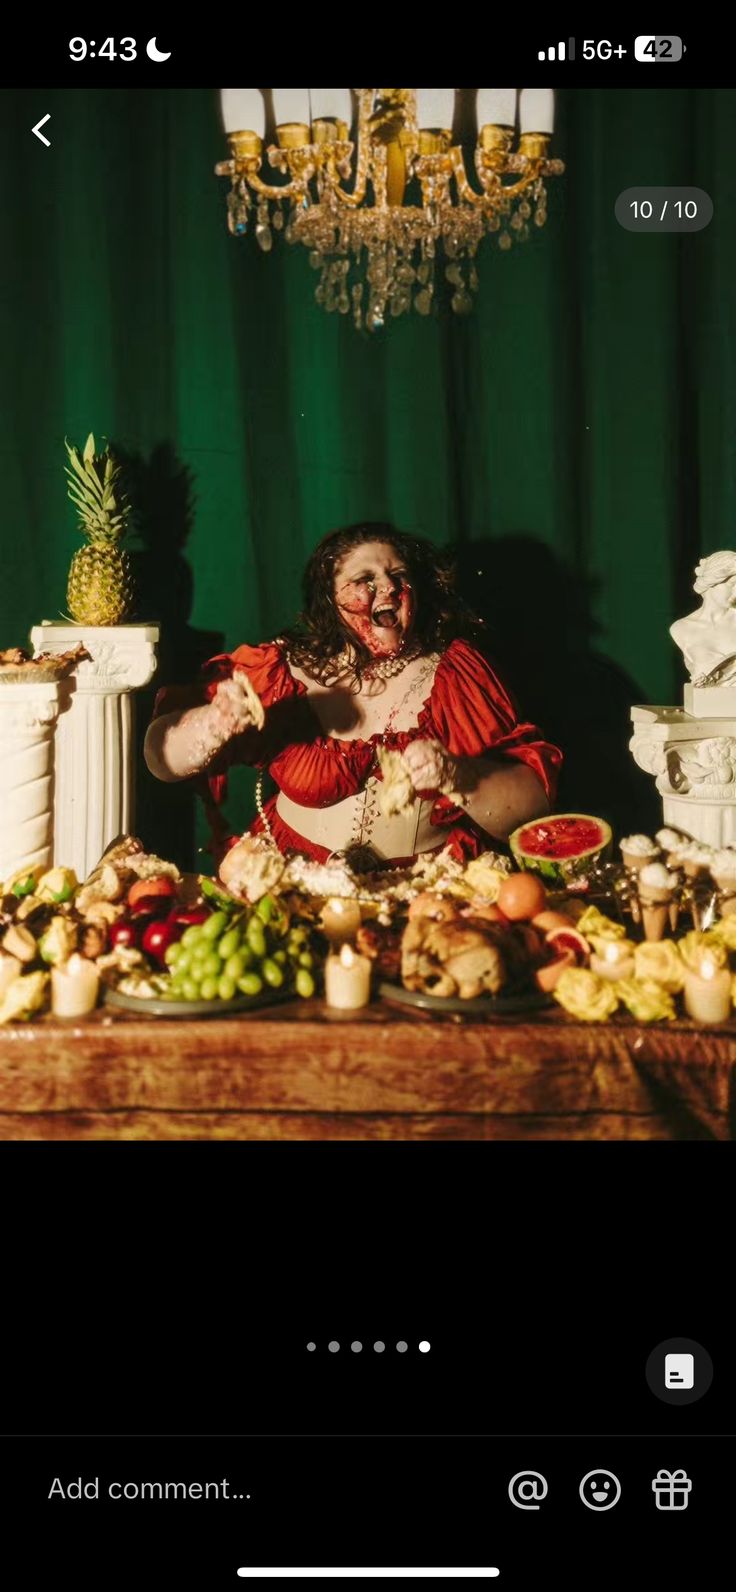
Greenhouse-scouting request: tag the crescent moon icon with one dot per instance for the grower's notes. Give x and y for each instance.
(154, 54)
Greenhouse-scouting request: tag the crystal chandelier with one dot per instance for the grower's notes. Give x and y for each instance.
(384, 215)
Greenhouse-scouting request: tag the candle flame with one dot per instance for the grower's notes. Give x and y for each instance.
(347, 956)
(611, 952)
(708, 967)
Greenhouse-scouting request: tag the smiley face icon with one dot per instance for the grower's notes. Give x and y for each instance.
(600, 1490)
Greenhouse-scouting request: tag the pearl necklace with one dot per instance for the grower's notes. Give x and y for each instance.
(382, 668)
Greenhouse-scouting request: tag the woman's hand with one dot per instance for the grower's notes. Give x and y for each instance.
(181, 744)
(430, 767)
(234, 708)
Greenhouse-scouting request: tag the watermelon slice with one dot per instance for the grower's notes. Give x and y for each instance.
(561, 847)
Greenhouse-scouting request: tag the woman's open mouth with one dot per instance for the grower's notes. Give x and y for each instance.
(385, 618)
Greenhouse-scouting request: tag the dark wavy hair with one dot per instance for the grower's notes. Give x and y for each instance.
(320, 635)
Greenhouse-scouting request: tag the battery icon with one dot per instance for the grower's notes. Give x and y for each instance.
(655, 47)
(564, 50)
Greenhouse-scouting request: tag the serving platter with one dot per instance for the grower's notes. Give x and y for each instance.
(156, 1006)
(478, 1006)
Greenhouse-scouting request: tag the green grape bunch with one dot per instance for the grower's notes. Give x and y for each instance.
(242, 952)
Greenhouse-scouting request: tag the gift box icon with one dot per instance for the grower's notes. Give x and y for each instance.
(671, 1489)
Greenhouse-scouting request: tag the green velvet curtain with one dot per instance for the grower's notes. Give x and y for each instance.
(573, 437)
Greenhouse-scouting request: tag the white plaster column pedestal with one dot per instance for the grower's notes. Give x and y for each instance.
(28, 717)
(691, 751)
(693, 761)
(95, 754)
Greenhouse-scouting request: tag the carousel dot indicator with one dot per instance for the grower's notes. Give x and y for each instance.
(424, 1346)
(311, 1347)
(402, 1346)
(379, 1347)
(333, 1346)
(356, 1346)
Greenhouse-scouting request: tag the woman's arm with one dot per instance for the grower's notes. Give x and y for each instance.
(498, 793)
(178, 745)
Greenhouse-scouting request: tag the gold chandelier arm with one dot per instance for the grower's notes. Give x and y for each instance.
(511, 190)
(248, 171)
(493, 188)
(287, 190)
(342, 152)
(466, 191)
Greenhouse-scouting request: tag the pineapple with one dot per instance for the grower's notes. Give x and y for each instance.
(100, 585)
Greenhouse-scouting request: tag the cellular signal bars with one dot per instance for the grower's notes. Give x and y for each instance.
(564, 51)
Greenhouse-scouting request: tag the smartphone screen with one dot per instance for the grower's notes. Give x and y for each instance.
(367, 828)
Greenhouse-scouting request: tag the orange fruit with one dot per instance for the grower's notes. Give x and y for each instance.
(521, 896)
(567, 939)
(547, 977)
(146, 889)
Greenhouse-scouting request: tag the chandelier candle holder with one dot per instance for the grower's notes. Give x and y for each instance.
(384, 214)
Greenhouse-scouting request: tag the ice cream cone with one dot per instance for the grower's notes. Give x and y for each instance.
(655, 912)
(637, 852)
(693, 869)
(671, 842)
(632, 863)
(655, 921)
(674, 913)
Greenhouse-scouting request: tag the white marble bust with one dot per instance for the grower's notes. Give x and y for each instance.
(707, 638)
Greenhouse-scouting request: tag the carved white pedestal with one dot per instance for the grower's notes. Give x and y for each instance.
(95, 770)
(28, 716)
(693, 760)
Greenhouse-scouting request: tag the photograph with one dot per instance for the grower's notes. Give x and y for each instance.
(368, 614)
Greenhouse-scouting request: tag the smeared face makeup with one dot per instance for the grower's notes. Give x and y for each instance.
(374, 597)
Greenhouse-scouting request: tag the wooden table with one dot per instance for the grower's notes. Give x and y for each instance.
(298, 1072)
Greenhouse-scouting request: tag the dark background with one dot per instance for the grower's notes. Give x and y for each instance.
(175, 1287)
(172, 1290)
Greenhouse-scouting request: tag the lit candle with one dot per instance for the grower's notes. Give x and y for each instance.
(708, 993)
(341, 919)
(615, 961)
(74, 987)
(347, 980)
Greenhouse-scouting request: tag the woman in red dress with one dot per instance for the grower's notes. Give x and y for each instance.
(384, 655)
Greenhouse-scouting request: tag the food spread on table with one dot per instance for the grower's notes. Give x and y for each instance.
(652, 936)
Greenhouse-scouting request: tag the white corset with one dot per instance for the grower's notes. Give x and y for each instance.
(358, 821)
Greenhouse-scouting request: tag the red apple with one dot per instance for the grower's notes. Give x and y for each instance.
(122, 933)
(188, 915)
(159, 935)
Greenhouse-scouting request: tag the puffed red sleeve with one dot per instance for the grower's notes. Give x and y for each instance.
(270, 677)
(265, 666)
(472, 713)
